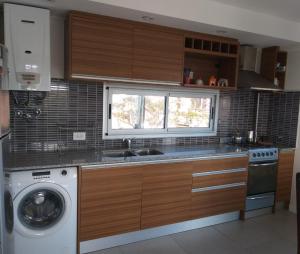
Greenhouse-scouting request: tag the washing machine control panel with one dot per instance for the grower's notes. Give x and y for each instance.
(48, 175)
(39, 175)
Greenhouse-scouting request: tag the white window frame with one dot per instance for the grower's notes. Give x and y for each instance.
(166, 91)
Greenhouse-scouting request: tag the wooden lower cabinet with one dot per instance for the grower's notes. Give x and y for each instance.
(213, 202)
(219, 186)
(166, 194)
(117, 200)
(284, 176)
(110, 201)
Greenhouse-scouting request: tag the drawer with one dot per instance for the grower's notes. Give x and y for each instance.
(219, 164)
(220, 199)
(219, 177)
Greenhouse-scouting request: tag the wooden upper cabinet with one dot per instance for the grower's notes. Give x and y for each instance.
(106, 48)
(102, 47)
(284, 176)
(268, 62)
(273, 65)
(110, 202)
(158, 54)
(99, 46)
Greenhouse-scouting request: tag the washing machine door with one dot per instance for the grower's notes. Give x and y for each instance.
(41, 209)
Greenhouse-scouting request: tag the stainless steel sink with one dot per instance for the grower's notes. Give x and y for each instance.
(118, 153)
(130, 153)
(145, 152)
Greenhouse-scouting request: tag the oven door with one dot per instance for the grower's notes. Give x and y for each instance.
(262, 178)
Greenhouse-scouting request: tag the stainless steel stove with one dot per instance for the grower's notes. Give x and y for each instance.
(262, 178)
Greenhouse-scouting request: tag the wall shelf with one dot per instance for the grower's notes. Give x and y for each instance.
(208, 55)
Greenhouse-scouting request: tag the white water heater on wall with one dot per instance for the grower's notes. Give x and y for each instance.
(27, 37)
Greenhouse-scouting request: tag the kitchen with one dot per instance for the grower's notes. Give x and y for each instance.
(129, 129)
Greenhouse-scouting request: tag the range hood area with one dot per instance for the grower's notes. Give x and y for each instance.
(249, 76)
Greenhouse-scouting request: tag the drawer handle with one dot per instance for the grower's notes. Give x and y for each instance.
(219, 172)
(219, 187)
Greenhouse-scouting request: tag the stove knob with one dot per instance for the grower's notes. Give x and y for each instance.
(271, 154)
(267, 154)
(254, 155)
(263, 154)
(258, 155)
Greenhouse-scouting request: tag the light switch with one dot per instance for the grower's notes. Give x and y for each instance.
(79, 136)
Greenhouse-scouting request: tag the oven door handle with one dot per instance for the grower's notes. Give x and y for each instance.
(260, 197)
(263, 164)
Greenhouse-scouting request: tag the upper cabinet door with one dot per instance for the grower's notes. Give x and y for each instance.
(268, 62)
(158, 55)
(99, 46)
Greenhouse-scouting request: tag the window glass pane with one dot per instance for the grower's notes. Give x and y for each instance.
(187, 112)
(154, 112)
(125, 111)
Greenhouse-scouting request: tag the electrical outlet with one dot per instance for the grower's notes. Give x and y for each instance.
(79, 136)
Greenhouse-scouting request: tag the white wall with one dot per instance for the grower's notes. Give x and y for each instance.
(293, 204)
(57, 46)
(292, 82)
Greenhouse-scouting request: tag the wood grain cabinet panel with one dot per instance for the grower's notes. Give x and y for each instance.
(158, 55)
(284, 176)
(219, 179)
(268, 62)
(219, 164)
(210, 195)
(166, 194)
(100, 46)
(110, 202)
(213, 202)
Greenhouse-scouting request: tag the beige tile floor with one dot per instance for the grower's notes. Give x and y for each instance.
(268, 234)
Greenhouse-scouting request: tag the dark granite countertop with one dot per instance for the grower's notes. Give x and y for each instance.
(41, 160)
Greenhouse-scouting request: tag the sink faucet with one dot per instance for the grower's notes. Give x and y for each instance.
(128, 142)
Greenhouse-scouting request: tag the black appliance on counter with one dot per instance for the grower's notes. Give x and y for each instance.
(262, 177)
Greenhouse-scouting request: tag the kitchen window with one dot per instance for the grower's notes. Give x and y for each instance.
(158, 112)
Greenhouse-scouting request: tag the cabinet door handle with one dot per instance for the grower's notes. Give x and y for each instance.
(219, 187)
(219, 172)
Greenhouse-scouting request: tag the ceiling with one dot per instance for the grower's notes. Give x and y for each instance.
(286, 9)
(60, 7)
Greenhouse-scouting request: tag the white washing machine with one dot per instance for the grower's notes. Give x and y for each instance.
(45, 211)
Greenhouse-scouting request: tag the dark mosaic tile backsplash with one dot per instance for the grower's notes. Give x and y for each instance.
(77, 106)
